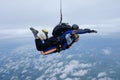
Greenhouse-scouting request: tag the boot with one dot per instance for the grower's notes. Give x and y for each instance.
(34, 31)
(45, 31)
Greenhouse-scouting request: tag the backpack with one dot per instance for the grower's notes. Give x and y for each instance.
(60, 29)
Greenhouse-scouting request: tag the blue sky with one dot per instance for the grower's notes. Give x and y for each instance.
(16, 16)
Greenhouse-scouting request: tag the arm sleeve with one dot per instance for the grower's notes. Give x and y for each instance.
(82, 31)
(79, 31)
(67, 32)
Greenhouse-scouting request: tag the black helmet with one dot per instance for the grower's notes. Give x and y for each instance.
(75, 26)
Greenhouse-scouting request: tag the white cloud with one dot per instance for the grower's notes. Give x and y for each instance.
(53, 78)
(93, 79)
(60, 64)
(74, 62)
(14, 78)
(109, 30)
(1, 69)
(24, 71)
(52, 64)
(63, 76)
(69, 56)
(57, 70)
(80, 73)
(76, 79)
(6, 33)
(106, 51)
(71, 66)
(40, 78)
(82, 65)
(28, 78)
(14, 33)
(105, 78)
(101, 74)
(81, 12)
(68, 79)
(71, 69)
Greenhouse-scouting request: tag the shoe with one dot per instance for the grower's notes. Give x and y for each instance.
(42, 37)
(45, 31)
(34, 31)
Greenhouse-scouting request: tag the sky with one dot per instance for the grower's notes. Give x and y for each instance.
(17, 16)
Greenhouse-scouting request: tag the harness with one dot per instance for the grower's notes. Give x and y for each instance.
(65, 43)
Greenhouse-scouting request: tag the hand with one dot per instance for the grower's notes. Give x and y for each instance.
(93, 31)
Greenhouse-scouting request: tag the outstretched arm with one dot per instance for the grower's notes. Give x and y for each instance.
(83, 31)
(79, 31)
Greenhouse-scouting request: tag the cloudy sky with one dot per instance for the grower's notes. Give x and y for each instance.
(18, 15)
(64, 66)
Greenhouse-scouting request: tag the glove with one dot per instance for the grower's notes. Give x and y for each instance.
(93, 31)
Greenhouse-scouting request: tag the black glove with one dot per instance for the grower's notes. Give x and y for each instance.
(93, 31)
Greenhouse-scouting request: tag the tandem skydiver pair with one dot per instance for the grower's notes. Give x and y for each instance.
(63, 36)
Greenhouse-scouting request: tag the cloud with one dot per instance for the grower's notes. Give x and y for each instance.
(68, 79)
(71, 69)
(14, 33)
(19, 32)
(82, 65)
(24, 71)
(106, 51)
(104, 30)
(14, 78)
(40, 78)
(53, 67)
(102, 74)
(80, 73)
(71, 66)
(53, 78)
(63, 76)
(37, 13)
(105, 78)
(93, 79)
(28, 78)
(60, 64)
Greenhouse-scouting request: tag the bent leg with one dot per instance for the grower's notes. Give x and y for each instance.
(47, 43)
(39, 44)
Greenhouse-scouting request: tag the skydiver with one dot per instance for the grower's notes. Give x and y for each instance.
(63, 37)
